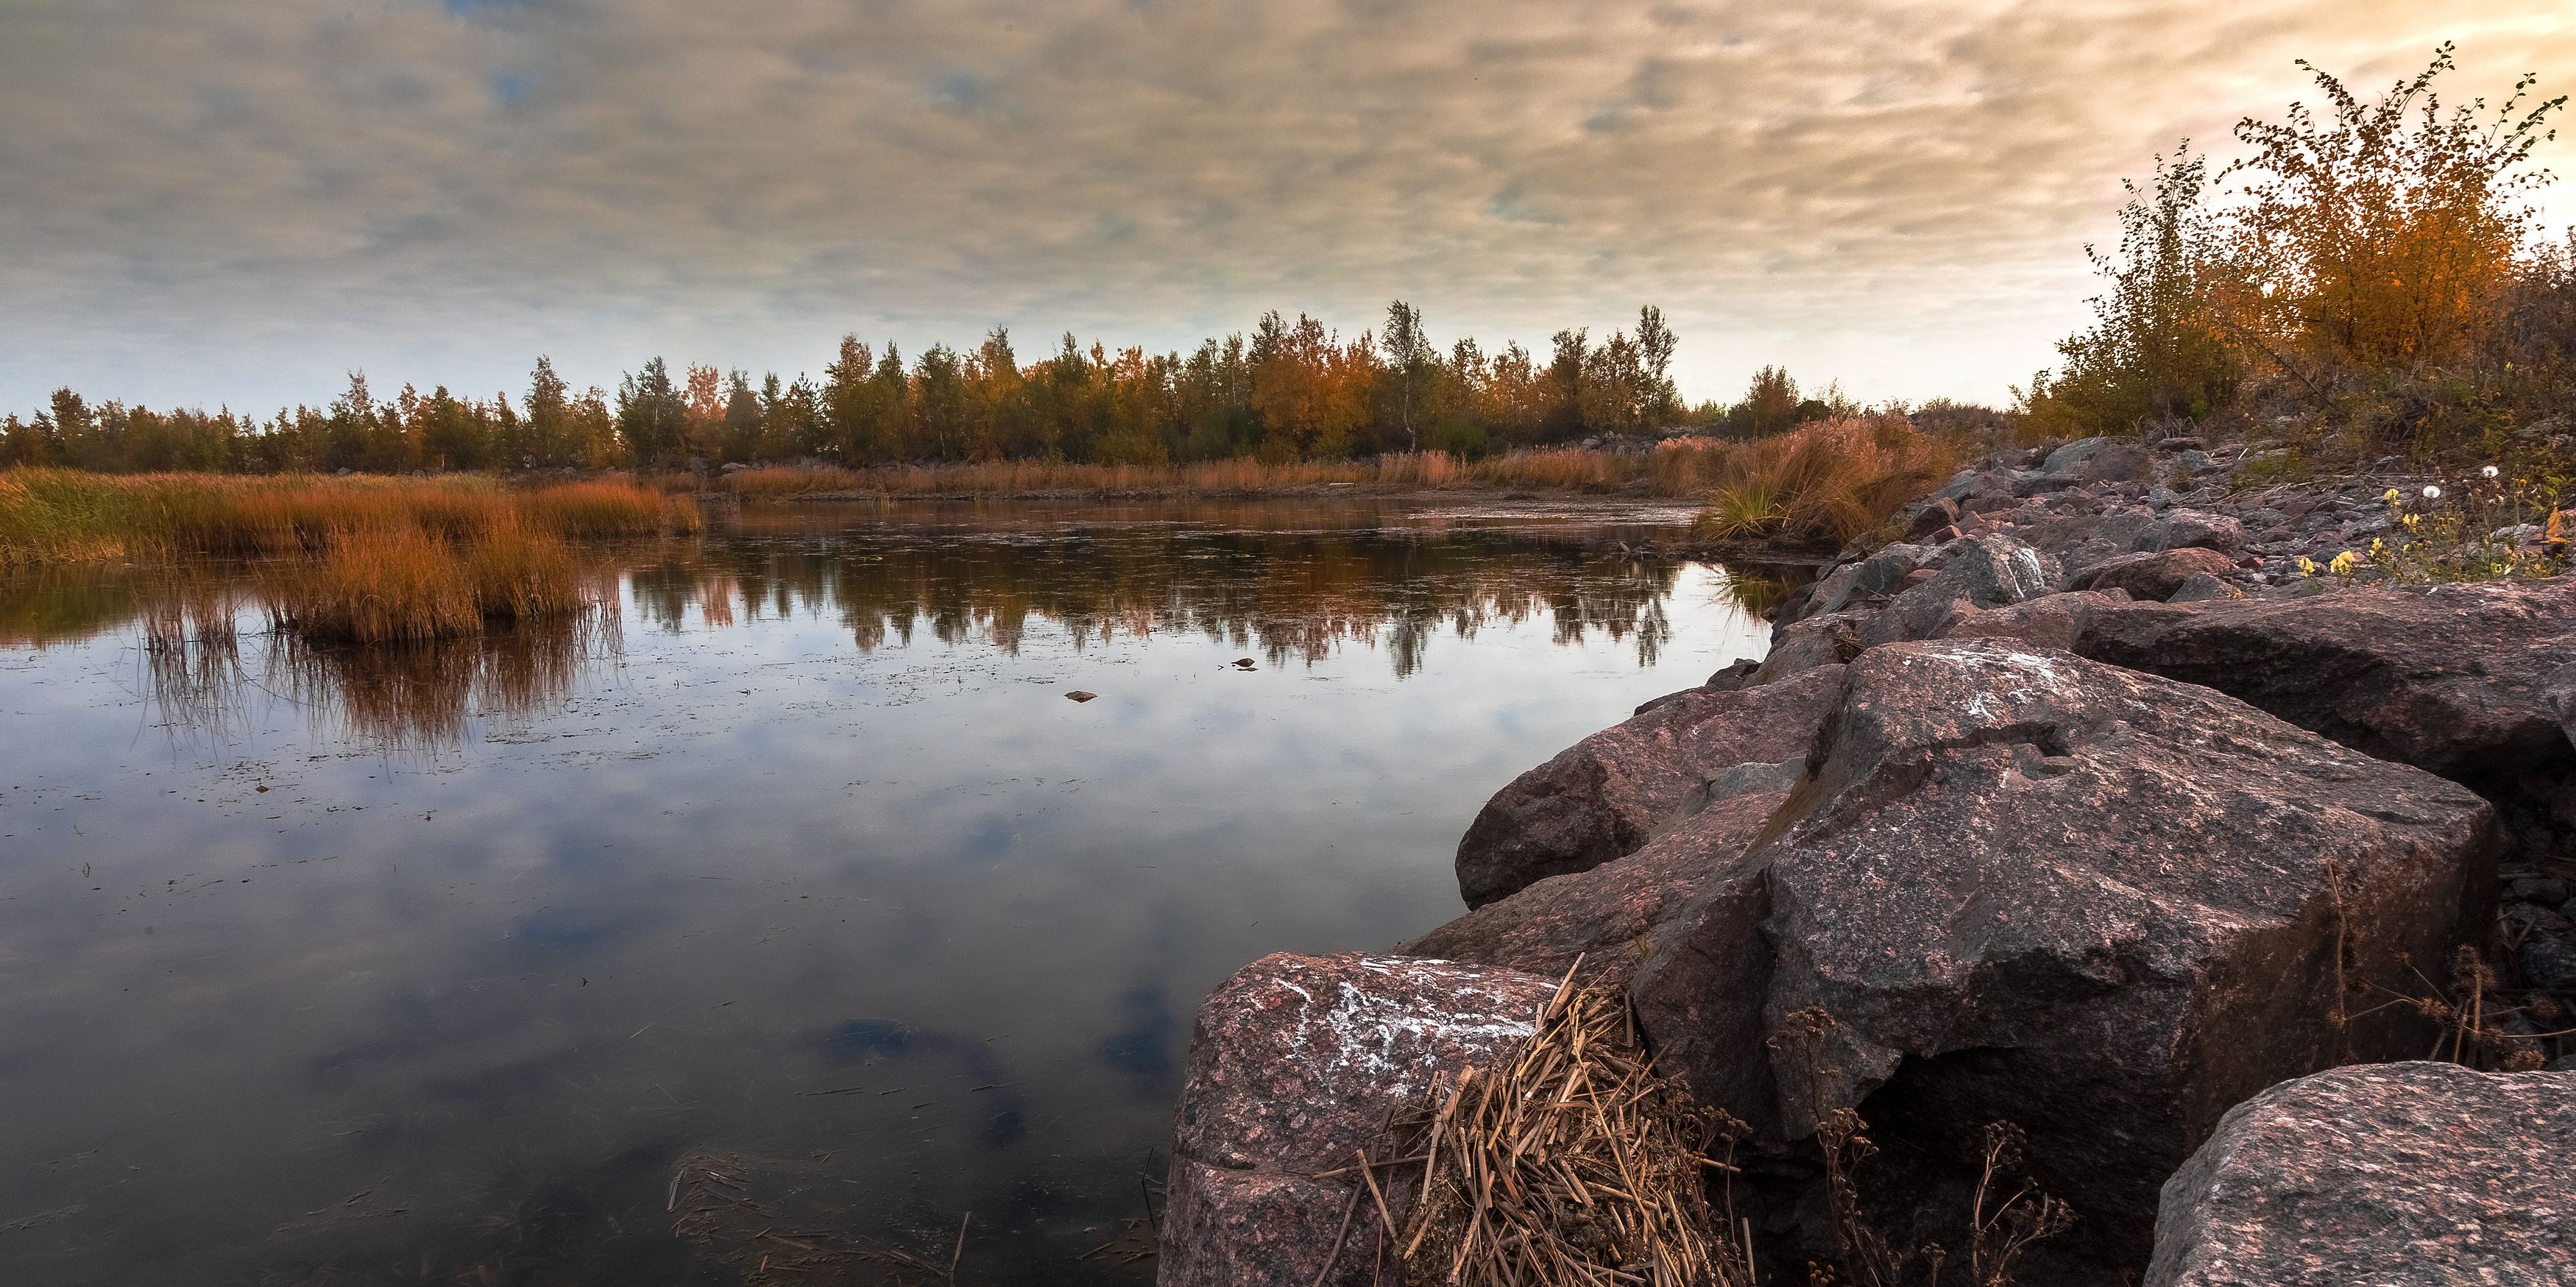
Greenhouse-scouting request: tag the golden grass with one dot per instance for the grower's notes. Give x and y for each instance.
(354, 559)
(1828, 481)
(58, 516)
(404, 585)
(1825, 482)
(1668, 470)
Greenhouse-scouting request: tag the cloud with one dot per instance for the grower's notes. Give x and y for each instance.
(236, 203)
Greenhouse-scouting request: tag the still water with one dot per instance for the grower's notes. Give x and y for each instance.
(772, 927)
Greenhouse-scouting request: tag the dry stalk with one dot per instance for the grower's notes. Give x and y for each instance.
(1573, 1163)
(2467, 1031)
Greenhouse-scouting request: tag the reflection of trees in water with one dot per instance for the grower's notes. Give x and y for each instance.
(419, 696)
(1298, 593)
(1284, 594)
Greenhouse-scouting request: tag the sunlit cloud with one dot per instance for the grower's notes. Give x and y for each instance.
(237, 203)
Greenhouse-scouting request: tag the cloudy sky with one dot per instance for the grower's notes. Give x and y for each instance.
(210, 201)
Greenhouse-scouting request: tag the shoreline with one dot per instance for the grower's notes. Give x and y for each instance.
(2124, 787)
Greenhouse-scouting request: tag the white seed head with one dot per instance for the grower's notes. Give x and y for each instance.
(2431, 492)
(2489, 471)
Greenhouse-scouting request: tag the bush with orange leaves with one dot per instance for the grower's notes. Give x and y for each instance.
(2365, 255)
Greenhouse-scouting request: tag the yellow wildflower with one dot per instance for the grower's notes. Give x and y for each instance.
(2343, 563)
(2307, 566)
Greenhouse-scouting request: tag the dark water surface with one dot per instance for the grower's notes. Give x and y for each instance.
(774, 924)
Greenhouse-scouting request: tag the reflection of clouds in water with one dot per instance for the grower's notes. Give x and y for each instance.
(991, 1097)
(681, 908)
(1141, 1047)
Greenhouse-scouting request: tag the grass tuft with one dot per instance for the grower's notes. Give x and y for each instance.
(60, 515)
(1825, 482)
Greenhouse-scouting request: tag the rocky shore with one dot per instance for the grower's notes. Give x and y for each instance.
(2087, 807)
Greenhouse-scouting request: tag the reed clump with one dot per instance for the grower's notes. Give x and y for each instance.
(1573, 469)
(409, 585)
(1825, 482)
(59, 515)
(1574, 1163)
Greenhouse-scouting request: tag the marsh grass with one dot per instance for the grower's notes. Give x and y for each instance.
(59, 515)
(357, 560)
(1825, 482)
(1681, 467)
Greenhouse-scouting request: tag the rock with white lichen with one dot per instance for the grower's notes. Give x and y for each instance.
(2395, 1175)
(1295, 1065)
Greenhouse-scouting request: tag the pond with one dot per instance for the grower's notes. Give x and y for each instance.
(777, 924)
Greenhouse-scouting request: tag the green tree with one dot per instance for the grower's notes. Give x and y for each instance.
(551, 442)
(1411, 367)
(652, 417)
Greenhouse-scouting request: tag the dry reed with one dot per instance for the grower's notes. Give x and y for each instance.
(405, 585)
(1825, 482)
(1574, 1163)
(57, 515)
(1670, 469)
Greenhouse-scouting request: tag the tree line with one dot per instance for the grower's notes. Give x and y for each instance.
(1288, 391)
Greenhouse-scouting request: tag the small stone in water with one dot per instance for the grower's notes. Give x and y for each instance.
(1081, 696)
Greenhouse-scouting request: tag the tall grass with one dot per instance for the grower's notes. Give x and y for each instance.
(1668, 470)
(1826, 482)
(406, 585)
(346, 560)
(56, 515)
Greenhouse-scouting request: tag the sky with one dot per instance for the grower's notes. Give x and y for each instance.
(238, 201)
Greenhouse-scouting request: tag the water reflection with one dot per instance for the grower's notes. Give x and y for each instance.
(1282, 595)
(796, 869)
(1285, 583)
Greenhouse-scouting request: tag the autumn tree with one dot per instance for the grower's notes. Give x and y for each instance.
(2159, 346)
(2383, 234)
(1770, 402)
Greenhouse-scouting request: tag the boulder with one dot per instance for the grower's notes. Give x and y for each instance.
(2015, 884)
(2154, 574)
(1599, 918)
(1735, 674)
(2187, 528)
(2412, 1173)
(2455, 680)
(2049, 621)
(2197, 588)
(1606, 795)
(1986, 571)
(2082, 540)
(1295, 1064)
(1802, 646)
(1937, 513)
(2099, 460)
